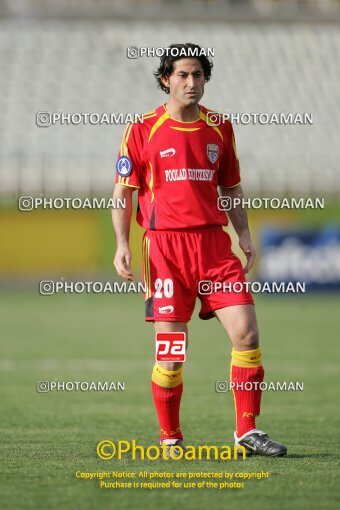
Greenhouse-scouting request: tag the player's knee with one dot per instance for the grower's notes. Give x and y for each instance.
(249, 340)
(170, 365)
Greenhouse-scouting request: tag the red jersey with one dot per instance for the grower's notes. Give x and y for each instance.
(177, 168)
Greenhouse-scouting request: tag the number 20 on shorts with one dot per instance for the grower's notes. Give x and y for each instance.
(164, 288)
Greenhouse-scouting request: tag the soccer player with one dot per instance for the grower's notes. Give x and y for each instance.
(177, 159)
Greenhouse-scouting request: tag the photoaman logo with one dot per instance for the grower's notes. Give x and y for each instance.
(107, 450)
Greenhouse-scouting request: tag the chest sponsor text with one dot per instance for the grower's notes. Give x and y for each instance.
(190, 174)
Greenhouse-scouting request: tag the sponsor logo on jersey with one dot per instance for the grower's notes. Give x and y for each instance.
(124, 166)
(212, 151)
(167, 153)
(166, 309)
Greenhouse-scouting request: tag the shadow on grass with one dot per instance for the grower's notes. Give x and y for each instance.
(310, 456)
(291, 456)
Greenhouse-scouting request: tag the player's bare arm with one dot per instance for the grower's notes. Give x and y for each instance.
(239, 219)
(121, 219)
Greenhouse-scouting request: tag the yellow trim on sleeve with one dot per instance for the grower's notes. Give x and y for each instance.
(151, 183)
(124, 151)
(126, 184)
(234, 144)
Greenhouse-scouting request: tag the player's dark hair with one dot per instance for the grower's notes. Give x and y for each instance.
(187, 50)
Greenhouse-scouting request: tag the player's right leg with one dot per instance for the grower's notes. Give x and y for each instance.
(167, 389)
(171, 288)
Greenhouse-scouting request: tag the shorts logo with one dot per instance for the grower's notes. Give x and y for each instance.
(212, 151)
(166, 309)
(167, 153)
(124, 166)
(170, 346)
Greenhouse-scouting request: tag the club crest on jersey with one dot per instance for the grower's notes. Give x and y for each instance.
(124, 166)
(212, 151)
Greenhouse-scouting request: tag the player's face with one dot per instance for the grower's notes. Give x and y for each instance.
(187, 81)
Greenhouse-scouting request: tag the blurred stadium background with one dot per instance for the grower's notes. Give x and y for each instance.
(66, 57)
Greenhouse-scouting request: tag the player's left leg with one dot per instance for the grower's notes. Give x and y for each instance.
(246, 374)
(240, 323)
(167, 389)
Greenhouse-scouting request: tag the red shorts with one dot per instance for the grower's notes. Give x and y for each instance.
(175, 263)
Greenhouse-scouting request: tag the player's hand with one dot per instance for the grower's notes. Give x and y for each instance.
(122, 262)
(248, 249)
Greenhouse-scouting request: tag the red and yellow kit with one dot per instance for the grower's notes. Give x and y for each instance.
(177, 168)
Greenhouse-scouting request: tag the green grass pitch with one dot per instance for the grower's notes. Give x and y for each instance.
(45, 438)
